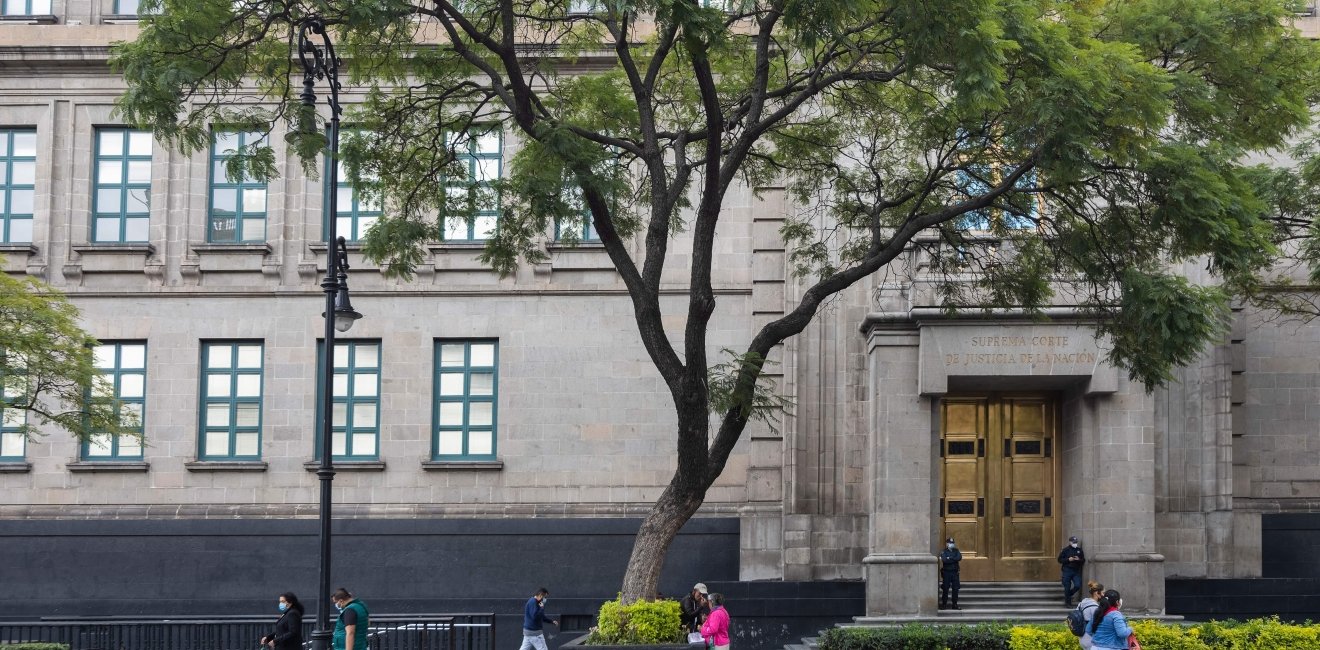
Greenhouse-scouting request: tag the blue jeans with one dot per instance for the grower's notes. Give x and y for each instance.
(1072, 583)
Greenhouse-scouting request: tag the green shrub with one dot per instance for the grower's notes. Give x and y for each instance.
(644, 622)
(1158, 636)
(1041, 637)
(1257, 634)
(1260, 633)
(986, 636)
(33, 646)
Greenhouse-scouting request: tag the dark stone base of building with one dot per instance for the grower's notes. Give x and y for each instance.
(162, 568)
(1289, 587)
(1291, 599)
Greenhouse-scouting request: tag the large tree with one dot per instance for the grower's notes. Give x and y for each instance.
(47, 371)
(1075, 150)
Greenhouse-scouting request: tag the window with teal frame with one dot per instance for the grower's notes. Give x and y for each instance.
(238, 207)
(230, 418)
(355, 424)
(13, 442)
(26, 7)
(480, 155)
(127, 7)
(1022, 215)
(466, 390)
(18, 181)
(121, 204)
(1025, 210)
(580, 227)
(123, 383)
(354, 212)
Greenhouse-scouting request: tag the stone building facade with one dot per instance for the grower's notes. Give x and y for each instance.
(1008, 433)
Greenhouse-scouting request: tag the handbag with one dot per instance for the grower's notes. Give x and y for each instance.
(1133, 644)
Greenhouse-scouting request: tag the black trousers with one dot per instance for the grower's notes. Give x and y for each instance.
(949, 580)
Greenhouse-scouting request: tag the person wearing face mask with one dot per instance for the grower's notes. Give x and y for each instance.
(351, 626)
(1071, 561)
(288, 627)
(949, 560)
(1109, 628)
(534, 617)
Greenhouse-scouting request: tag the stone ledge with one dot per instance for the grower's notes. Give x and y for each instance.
(462, 465)
(348, 466)
(590, 246)
(8, 467)
(112, 248)
(30, 19)
(226, 466)
(107, 466)
(262, 248)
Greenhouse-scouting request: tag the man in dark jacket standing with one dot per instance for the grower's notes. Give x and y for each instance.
(694, 608)
(949, 560)
(533, 618)
(1071, 561)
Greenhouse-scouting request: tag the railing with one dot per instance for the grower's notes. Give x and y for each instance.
(401, 632)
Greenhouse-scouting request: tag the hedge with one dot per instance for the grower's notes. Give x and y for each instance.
(33, 646)
(1256, 634)
(641, 623)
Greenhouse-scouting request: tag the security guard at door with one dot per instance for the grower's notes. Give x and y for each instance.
(949, 560)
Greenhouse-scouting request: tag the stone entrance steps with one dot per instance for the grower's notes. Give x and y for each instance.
(1026, 602)
(981, 602)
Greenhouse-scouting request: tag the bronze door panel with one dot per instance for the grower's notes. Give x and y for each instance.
(998, 480)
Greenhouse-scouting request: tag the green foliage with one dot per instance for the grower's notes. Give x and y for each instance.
(642, 622)
(1257, 634)
(1263, 633)
(987, 636)
(1124, 125)
(33, 646)
(737, 384)
(1041, 638)
(46, 367)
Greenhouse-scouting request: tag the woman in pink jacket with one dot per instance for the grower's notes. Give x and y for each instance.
(716, 627)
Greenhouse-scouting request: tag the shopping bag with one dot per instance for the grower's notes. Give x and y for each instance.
(695, 637)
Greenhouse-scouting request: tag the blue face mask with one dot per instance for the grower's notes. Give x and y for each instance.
(284, 606)
(339, 607)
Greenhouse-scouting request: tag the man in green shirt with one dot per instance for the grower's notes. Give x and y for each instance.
(351, 626)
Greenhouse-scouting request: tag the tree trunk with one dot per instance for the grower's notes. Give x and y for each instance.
(673, 509)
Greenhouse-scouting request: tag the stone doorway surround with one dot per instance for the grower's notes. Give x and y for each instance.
(1106, 447)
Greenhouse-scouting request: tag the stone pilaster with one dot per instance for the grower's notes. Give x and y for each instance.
(900, 569)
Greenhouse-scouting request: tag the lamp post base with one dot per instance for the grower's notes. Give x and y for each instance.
(321, 639)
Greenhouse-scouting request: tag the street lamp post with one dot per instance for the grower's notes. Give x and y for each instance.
(319, 62)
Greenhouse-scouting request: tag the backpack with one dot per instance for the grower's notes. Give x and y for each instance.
(1077, 620)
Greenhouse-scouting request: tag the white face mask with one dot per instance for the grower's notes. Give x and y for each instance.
(1074, 545)
(950, 546)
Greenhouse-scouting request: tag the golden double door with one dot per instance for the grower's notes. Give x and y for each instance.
(998, 484)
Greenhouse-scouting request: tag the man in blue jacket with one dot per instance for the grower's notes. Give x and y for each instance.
(533, 618)
(1071, 560)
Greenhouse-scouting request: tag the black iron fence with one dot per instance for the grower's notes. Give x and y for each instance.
(402, 632)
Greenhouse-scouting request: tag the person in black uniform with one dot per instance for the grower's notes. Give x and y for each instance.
(949, 560)
(1071, 561)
